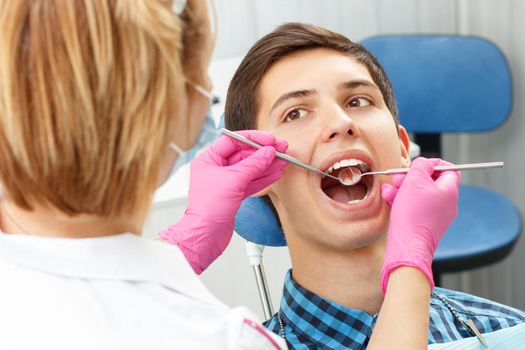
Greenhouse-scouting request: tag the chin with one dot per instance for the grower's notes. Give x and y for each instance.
(360, 235)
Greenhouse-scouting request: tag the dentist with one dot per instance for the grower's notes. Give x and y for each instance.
(94, 97)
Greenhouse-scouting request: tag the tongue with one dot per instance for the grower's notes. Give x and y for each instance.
(346, 194)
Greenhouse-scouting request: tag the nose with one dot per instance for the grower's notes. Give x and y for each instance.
(339, 124)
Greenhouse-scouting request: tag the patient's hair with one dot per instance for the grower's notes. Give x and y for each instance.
(242, 99)
(91, 92)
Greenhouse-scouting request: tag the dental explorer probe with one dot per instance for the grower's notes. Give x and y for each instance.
(355, 175)
(283, 156)
(440, 168)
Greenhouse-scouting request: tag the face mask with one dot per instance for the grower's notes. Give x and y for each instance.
(207, 136)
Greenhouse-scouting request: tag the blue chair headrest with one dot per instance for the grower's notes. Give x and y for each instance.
(256, 221)
(445, 83)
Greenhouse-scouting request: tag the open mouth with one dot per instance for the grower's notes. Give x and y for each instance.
(347, 194)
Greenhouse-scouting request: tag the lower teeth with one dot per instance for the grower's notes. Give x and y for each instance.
(354, 201)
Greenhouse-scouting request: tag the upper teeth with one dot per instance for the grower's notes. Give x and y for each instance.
(349, 162)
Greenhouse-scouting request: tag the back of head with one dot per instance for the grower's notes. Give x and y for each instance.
(90, 92)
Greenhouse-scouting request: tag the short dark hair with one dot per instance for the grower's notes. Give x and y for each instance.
(242, 100)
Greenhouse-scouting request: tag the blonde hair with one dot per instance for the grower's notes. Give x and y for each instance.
(91, 92)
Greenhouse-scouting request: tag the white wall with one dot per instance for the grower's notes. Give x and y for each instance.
(241, 22)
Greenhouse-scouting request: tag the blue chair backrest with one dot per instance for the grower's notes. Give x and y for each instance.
(445, 83)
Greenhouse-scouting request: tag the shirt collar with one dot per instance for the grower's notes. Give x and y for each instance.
(322, 320)
(123, 257)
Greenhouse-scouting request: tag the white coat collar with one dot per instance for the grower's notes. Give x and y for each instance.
(124, 257)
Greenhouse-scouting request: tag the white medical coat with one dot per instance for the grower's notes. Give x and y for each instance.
(117, 292)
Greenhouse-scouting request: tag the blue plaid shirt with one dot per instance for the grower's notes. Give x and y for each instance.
(312, 322)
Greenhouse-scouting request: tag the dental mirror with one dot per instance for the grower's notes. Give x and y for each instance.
(352, 175)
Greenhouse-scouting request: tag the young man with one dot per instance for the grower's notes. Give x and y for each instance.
(330, 99)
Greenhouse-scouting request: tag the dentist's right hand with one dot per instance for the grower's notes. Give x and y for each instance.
(221, 177)
(424, 204)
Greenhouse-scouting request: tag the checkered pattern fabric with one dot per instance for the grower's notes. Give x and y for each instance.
(312, 322)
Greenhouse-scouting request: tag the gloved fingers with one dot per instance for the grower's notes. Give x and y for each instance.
(277, 165)
(422, 167)
(244, 154)
(437, 174)
(267, 177)
(281, 145)
(260, 184)
(253, 166)
(448, 180)
(397, 179)
(264, 138)
(388, 192)
(233, 151)
(225, 146)
(236, 157)
(442, 162)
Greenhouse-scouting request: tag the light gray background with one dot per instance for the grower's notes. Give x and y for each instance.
(242, 22)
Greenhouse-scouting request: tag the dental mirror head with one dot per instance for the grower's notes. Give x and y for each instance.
(349, 176)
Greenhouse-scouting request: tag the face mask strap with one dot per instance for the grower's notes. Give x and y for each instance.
(177, 149)
(204, 93)
(201, 90)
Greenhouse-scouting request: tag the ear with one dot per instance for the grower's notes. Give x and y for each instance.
(404, 143)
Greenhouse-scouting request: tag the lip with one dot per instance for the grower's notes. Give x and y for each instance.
(350, 154)
(368, 202)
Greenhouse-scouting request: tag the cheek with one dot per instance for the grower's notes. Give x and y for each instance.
(385, 142)
(298, 146)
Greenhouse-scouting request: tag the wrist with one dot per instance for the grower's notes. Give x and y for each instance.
(404, 276)
(209, 216)
(390, 267)
(200, 241)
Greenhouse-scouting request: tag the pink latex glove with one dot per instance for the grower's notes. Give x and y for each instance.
(220, 179)
(424, 204)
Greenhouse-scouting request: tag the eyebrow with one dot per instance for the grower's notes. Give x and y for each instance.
(353, 84)
(293, 94)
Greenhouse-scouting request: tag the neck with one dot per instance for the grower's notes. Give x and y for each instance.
(50, 222)
(349, 278)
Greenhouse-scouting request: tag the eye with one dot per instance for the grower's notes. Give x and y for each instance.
(295, 114)
(359, 102)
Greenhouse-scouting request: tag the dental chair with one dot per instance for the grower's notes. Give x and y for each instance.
(455, 84)
(443, 84)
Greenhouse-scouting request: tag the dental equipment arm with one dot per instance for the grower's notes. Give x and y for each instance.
(424, 204)
(220, 179)
(254, 252)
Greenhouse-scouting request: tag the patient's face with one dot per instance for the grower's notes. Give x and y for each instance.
(326, 105)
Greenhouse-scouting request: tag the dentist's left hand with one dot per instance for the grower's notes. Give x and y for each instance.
(220, 179)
